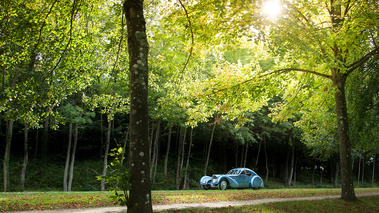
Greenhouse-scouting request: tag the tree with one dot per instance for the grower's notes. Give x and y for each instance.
(73, 115)
(140, 191)
(330, 40)
(318, 44)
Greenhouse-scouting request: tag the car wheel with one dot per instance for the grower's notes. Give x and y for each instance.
(204, 187)
(223, 184)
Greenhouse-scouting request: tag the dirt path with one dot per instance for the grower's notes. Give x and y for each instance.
(191, 205)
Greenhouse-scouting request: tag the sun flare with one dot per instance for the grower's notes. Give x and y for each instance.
(272, 8)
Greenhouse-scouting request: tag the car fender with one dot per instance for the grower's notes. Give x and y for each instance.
(205, 180)
(256, 182)
(232, 182)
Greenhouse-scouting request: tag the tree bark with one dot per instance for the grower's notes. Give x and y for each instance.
(335, 184)
(347, 181)
(259, 150)
(45, 139)
(36, 145)
(179, 151)
(154, 160)
(363, 169)
(188, 159)
(140, 192)
(373, 171)
(359, 170)
(26, 157)
(125, 143)
(8, 141)
(267, 170)
(245, 156)
(289, 179)
(167, 150)
(71, 176)
(66, 167)
(209, 149)
(154, 163)
(105, 162)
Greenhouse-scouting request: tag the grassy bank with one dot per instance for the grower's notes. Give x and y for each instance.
(58, 200)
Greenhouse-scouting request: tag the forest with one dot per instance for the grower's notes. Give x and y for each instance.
(287, 88)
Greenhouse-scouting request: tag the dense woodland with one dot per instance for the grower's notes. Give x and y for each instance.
(292, 95)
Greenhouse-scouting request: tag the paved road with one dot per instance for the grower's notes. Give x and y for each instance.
(190, 205)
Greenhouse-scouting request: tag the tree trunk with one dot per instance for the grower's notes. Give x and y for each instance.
(335, 184)
(209, 150)
(373, 171)
(242, 156)
(359, 170)
(179, 151)
(289, 179)
(125, 142)
(259, 150)
(66, 167)
(363, 169)
(101, 135)
(182, 157)
(8, 141)
(267, 170)
(167, 150)
(188, 158)
(295, 172)
(140, 192)
(71, 176)
(313, 175)
(36, 145)
(26, 157)
(245, 157)
(236, 151)
(287, 161)
(183, 149)
(347, 180)
(321, 174)
(45, 140)
(105, 164)
(151, 142)
(154, 163)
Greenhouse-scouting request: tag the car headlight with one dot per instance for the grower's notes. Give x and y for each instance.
(214, 180)
(204, 181)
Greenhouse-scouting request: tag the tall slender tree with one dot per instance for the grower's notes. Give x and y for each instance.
(139, 161)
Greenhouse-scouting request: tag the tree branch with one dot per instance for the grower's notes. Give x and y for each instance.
(361, 61)
(272, 73)
(192, 39)
(75, 9)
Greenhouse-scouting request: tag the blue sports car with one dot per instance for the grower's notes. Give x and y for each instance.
(235, 178)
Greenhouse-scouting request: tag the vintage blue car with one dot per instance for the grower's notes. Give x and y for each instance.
(235, 178)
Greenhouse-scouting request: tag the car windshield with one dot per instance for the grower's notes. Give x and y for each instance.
(234, 172)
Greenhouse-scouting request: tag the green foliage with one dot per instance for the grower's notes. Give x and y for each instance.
(118, 178)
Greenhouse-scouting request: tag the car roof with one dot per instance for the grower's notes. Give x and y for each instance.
(242, 169)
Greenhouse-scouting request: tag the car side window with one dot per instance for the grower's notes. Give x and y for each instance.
(248, 173)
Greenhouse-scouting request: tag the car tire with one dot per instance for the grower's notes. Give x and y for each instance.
(224, 184)
(205, 187)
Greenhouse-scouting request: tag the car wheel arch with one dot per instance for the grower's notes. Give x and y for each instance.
(223, 184)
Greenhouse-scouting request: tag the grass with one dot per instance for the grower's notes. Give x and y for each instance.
(364, 204)
(59, 200)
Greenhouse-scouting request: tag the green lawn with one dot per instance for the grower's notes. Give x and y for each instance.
(364, 205)
(55, 200)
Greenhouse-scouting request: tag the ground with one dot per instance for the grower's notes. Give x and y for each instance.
(189, 205)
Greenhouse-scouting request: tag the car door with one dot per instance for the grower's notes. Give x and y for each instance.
(243, 179)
